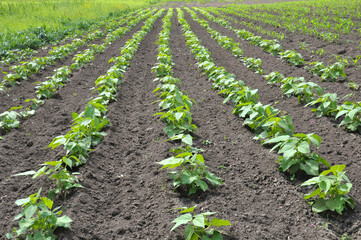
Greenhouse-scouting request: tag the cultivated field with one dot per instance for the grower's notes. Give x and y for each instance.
(242, 110)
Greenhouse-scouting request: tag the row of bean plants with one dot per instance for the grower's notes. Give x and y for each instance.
(277, 130)
(37, 219)
(187, 165)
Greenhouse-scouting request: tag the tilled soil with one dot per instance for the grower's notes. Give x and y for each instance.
(127, 196)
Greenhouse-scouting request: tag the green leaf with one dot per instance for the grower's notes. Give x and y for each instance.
(188, 179)
(41, 171)
(89, 111)
(315, 140)
(171, 162)
(190, 234)
(314, 193)
(310, 167)
(325, 185)
(63, 221)
(334, 204)
(337, 168)
(39, 236)
(187, 139)
(202, 184)
(9, 236)
(200, 158)
(199, 221)
(213, 179)
(32, 172)
(183, 219)
(53, 163)
(47, 202)
(319, 206)
(20, 202)
(220, 222)
(346, 187)
(187, 210)
(278, 139)
(178, 115)
(304, 147)
(29, 211)
(289, 153)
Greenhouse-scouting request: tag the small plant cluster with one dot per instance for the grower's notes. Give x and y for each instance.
(38, 218)
(329, 73)
(253, 64)
(10, 119)
(200, 226)
(63, 51)
(291, 86)
(295, 148)
(47, 89)
(12, 56)
(26, 69)
(228, 43)
(187, 165)
(85, 134)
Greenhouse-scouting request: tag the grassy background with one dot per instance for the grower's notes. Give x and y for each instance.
(17, 15)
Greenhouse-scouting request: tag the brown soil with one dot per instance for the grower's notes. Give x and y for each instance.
(126, 196)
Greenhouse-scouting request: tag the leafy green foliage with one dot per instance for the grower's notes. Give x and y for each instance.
(9, 119)
(354, 86)
(47, 88)
(352, 115)
(58, 173)
(296, 153)
(292, 57)
(318, 68)
(305, 91)
(333, 72)
(271, 46)
(331, 190)
(253, 64)
(85, 133)
(192, 171)
(38, 220)
(274, 77)
(16, 55)
(327, 104)
(199, 226)
(329, 73)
